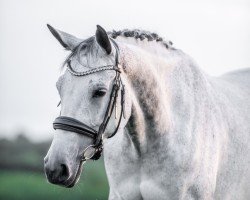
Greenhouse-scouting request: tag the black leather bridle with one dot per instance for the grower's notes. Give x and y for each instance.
(73, 125)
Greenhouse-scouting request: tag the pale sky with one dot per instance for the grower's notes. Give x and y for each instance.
(216, 33)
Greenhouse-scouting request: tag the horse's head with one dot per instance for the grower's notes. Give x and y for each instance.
(84, 98)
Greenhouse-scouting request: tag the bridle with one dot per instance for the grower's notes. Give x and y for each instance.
(73, 125)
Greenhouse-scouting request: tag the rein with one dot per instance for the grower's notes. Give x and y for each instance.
(73, 125)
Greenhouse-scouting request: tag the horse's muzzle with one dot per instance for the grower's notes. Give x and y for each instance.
(59, 173)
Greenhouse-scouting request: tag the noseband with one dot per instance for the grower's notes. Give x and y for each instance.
(73, 125)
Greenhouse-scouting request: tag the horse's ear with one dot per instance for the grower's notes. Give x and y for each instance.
(66, 40)
(103, 39)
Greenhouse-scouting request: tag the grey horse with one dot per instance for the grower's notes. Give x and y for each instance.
(186, 135)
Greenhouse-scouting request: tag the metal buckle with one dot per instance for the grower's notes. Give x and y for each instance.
(91, 153)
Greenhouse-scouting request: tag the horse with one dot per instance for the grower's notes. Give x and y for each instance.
(183, 134)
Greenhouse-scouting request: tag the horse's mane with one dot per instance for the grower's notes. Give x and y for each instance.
(140, 34)
(135, 33)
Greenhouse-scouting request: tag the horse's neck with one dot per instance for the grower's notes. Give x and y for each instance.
(192, 99)
(164, 89)
(146, 74)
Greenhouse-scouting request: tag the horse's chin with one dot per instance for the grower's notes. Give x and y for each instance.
(72, 181)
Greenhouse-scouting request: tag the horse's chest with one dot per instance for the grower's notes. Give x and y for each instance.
(123, 170)
(140, 177)
(132, 180)
(128, 177)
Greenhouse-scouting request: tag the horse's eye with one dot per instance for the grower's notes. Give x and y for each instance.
(99, 93)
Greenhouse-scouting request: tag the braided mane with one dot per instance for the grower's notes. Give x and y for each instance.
(135, 33)
(140, 34)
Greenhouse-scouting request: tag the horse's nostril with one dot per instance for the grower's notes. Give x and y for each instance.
(57, 174)
(64, 172)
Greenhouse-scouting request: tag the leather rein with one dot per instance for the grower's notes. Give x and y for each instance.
(73, 125)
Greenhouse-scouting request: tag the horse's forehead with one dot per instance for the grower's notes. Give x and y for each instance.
(89, 61)
(91, 80)
(84, 62)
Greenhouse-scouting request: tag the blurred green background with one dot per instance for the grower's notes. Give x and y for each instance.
(22, 176)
